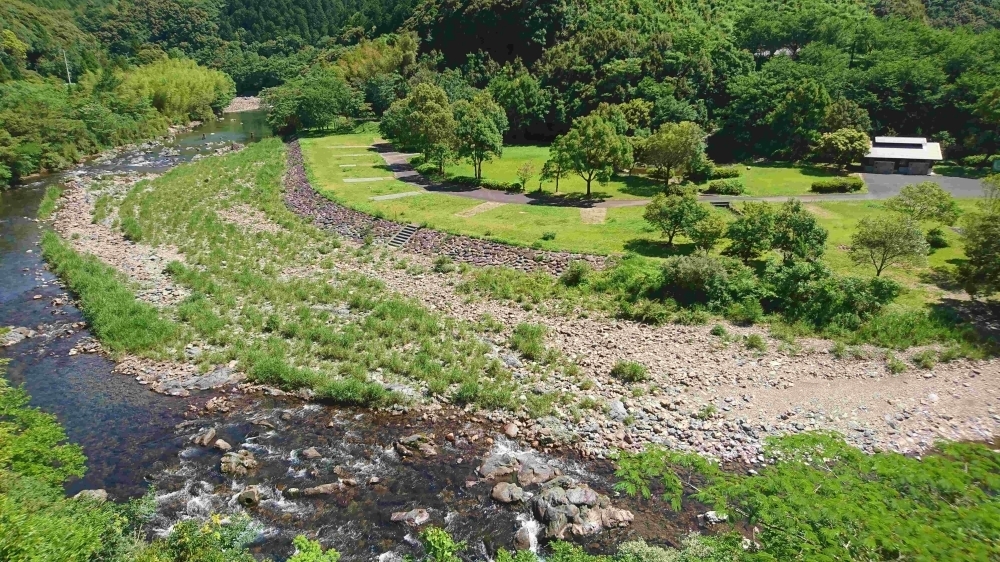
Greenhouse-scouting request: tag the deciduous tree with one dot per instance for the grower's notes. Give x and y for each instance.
(424, 122)
(797, 234)
(980, 273)
(673, 148)
(593, 149)
(674, 214)
(885, 240)
(842, 147)
(926, 201)
(558, 163)
(752, 233)
(708, 232)
(480, 126)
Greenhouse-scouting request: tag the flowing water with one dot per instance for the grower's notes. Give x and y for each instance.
(134, 438)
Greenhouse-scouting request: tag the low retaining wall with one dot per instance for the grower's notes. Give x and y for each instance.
(302, 199)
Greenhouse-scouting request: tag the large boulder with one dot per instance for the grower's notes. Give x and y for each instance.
(505, 492)
(249, 497)
(205, 437)
(496, 466)
(535, 471)
(99, 495)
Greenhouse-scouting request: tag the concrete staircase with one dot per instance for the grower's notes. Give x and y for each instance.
(403, 236)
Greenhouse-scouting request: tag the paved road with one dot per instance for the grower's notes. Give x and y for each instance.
(880, 186)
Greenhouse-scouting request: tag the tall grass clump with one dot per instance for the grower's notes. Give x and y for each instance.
(629, 371)
(49, 201)
(122, 323)
(529, 341)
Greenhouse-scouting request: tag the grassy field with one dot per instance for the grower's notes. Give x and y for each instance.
(782, 179)
(762, 180)
(529, 225)
(926, 284)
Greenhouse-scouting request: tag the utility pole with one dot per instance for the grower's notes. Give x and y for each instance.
(69, 80)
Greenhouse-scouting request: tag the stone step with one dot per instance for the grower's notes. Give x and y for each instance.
(403, 236)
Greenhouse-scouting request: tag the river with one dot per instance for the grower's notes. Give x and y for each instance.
(135, 439)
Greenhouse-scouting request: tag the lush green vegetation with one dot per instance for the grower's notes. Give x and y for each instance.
(46, 125)
(123, 323)
(822, 499)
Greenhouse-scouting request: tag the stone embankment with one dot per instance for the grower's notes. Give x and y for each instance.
(305, 201)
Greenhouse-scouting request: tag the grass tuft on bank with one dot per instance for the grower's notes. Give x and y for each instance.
(122, 323)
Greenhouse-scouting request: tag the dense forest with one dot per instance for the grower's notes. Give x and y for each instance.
(764, 77)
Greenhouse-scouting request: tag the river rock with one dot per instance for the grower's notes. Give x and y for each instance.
(413, 518)
(324, 489)
(535, 471)
(250, 497)
(523, 539)
(505, 492)
(222, 445)
(204, 437)
(495, 466)
(712, 518)
(238, 463)
(99, 495)
(16, 335)
(510, 430)
(311, 454)
(566, 506)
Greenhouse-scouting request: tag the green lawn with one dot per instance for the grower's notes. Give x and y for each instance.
(841, 219)
(623, 229)
(782, 179)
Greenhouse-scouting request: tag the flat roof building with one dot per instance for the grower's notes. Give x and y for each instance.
(902, 155)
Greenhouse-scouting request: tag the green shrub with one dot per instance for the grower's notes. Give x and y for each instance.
(727, 172)
(926, 359)
(576, 274)
(131, 229)
(746, 312)
(719, 331)
(936, 238)
(838, 185)
(716, 282)
(444, 264)
(629, 371)
(755, 342)
(894, 364)
(311, 551)
(732, 186)
(976, 160)
(548, 235)
(647, 311)
(691, 317)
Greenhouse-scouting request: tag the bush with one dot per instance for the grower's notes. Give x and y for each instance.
(528, 340)
(755, 342)
(716, 282)
(976, 160)
(733, 186)
(745, 312)
(718, 331)
(936, 238)
(629, 371)
(548, 235)
(576, 274)
(838, 185)
(727, 172)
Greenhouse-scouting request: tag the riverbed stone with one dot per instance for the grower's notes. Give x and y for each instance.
(510, 430)
(100, 495)
(222, 445)
(311, 454)
(250, 497)
(413, 518)
(204, 437)
(523, 539)
(505, 492)
(495, 466)
(581, 495)
(324, 489)
(238, 463)
(535, 471)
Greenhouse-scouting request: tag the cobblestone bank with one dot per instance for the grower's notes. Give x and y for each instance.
(305, 201)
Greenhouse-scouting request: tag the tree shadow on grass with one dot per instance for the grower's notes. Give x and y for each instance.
(640, 186)
(982, 316)
(570, 199)
(942, 277)
(658, 248)
(811, 170)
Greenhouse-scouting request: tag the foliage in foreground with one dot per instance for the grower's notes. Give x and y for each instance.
(823, 499)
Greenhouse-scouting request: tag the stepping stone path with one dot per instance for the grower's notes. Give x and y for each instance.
(353, 146)
(396, 195)
(361, 180)
(593, 215)
(348, 165)
(478, 209)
